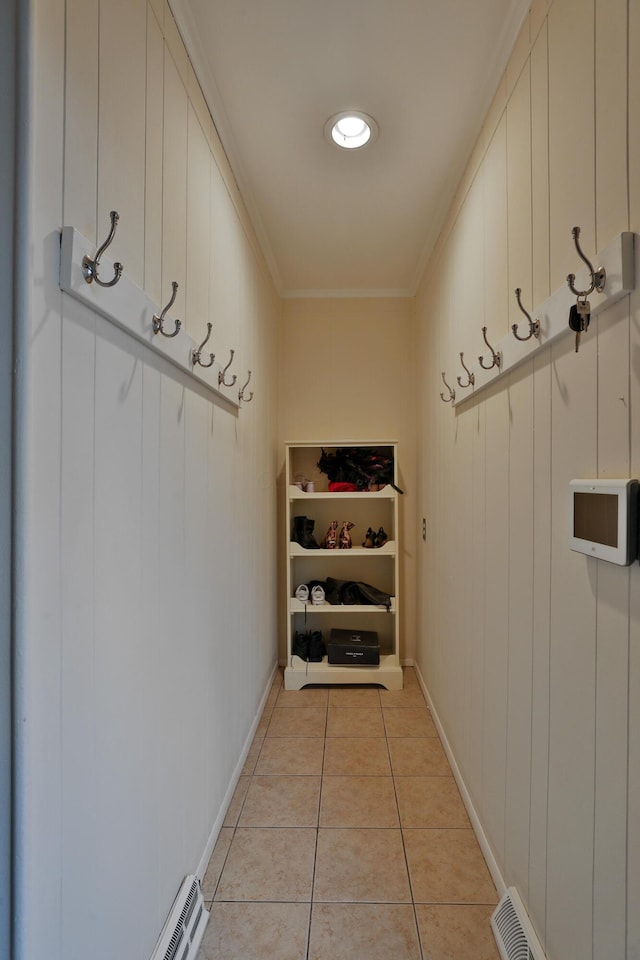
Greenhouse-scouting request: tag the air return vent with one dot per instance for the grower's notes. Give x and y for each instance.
(182, 933)
(512, 929)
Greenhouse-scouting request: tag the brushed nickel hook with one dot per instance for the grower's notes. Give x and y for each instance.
(158, 321)
(534, 325)
(452, 393)
(221, 375)
(90, 267)
(471, 377)
(196, 355)
(496, 359)
(598, 277)
(241, 395)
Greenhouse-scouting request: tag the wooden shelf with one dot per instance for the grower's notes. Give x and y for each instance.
(377, 565)
(296, 606)
(388, 550)
(388, 673)
(387, 493)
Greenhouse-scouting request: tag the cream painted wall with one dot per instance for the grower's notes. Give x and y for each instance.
(531, 652)
(147, 515)
(11, 201)
(346, 372)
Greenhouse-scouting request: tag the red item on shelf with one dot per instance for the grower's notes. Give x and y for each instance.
(342, 487)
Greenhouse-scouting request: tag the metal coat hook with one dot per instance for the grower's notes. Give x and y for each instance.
(471, 377)
(598, 277)
(90, 267)
(496, 359)
(241, 395)
(158, 321)
(534, 325)
(452, 393)
(196, 355)
(221, 375)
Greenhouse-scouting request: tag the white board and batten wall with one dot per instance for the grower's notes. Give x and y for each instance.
(531, 653)
(148, 516)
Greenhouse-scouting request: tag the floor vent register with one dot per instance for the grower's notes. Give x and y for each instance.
(182, 933)
(513, 931)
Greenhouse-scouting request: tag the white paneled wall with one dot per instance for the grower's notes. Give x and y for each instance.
(147, 628)
(530, 651)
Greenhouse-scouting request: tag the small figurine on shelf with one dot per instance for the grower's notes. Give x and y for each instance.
(330, 541)
(345, 536)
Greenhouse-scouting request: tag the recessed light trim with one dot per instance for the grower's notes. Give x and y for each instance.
(351, 129)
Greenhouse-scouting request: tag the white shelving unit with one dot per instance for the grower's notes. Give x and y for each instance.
(377, 566)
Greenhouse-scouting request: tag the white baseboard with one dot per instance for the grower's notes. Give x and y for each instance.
(217, 826)
(485, 846)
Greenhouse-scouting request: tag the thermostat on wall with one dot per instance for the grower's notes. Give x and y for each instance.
(604, 519)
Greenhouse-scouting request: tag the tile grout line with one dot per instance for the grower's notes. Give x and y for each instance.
(322, 786)
(315, 850)
(402, 839)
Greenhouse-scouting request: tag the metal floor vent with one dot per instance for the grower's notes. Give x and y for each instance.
(513, 931)
(182, 933)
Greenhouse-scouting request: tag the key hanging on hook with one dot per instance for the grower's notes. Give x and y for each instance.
(534, 325)
(158, 321)
(579, 317)
(90, 267)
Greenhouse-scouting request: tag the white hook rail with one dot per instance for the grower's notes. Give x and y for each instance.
(617, 264)
(129, 307)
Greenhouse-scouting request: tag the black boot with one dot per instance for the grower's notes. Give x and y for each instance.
(303, 533)
(298, 530)
(300, 645)
(309, 539)
(317, 649)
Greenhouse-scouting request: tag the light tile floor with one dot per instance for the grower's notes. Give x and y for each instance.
(346, 838)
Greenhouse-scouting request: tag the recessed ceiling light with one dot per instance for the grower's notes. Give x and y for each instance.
(351, 129)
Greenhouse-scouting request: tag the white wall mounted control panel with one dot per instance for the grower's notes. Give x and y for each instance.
(604, 519)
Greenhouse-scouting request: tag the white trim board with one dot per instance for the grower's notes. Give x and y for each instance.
(201, 869)
(476, 823)
(617, 259)
(129, 308)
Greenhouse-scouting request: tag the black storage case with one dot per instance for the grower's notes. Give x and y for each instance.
(354, 648)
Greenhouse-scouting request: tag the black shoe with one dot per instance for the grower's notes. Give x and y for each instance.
(317, 649)
(300, 646)
(370, 539)
(309, 542)
(381, 538)
(303, 533)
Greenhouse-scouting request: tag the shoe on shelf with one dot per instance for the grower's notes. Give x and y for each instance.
(370, 539)
(302, 593)
(381, 538)
(317, 595)
(300, 645)
(317, 649)
(303, 533)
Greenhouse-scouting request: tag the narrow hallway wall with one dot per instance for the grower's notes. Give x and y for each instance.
(531, 653)
(147, 592)
(9, 203)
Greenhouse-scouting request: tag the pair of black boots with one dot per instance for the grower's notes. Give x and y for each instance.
(303, 533)
(309, 646)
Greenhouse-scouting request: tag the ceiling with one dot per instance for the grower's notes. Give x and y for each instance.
(333, 221)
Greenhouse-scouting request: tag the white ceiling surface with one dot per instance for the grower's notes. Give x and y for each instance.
(333, 221)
